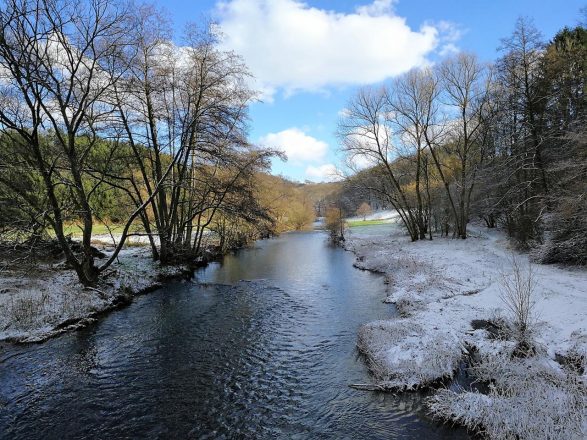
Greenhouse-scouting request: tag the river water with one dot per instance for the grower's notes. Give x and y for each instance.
(260, 346)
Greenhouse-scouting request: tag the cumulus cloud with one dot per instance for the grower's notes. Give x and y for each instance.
(297, 145)
(449, 35)
(378, 7)
(357, 162)
(291, 46)
(323, 173)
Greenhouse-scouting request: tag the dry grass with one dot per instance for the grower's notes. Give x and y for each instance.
(24, 309)
(402, 354)
(528, 399)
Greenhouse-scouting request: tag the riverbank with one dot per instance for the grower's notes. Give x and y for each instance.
(449, 295)
(43, 300)
(262, 346)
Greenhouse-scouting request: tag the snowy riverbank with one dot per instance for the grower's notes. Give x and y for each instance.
(43, 300)
(448, 293)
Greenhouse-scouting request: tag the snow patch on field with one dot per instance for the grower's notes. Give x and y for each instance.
(388, 214)
(440, 287)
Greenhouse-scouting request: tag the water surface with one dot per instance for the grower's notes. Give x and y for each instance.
(265, 348)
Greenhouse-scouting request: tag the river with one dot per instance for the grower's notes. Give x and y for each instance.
(260, 346)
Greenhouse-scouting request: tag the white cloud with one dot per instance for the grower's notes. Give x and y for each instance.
(357, 162)
(297, 145)
(291, 46)
(344, 112)
(378, 7)
(323, 173)
(449, 34)
(448, 49)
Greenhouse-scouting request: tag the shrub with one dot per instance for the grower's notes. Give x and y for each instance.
(517, 294)
(335, 224)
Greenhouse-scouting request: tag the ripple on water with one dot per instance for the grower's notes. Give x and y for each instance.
(270, 357)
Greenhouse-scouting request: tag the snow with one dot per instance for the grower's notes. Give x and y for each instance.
(529, 399)
(439, 288)
(387, 214)
(41, 302)
(403, 355)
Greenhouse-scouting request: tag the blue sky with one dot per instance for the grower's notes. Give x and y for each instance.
(310, 57)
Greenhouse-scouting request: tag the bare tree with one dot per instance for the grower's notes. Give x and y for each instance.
(425, 116)
(466, 91)
(367, 136)
(414, 116)
(58, 59)
(184, 110)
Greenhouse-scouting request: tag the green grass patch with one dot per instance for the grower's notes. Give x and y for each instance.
(359, 223)
(97, 229)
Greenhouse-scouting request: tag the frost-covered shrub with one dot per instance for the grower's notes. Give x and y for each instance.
(567, 225)
(575, 358)
(528, 399)
(517, 294)
(405, 355)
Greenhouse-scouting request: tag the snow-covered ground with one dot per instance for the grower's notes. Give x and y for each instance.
(440, 287)
(388, 214)
(47, 299)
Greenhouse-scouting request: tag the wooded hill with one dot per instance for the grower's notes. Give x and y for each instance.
(504, 142)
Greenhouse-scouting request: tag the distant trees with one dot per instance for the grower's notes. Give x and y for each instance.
(289, 203)
(364, 210)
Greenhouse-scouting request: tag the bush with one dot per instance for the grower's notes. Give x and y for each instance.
(335, 224)
(517, 294)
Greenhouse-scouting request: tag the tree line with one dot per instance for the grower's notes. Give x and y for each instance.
(101, 112)
(504, 142)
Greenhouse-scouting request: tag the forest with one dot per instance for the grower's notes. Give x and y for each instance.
(504, 143)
